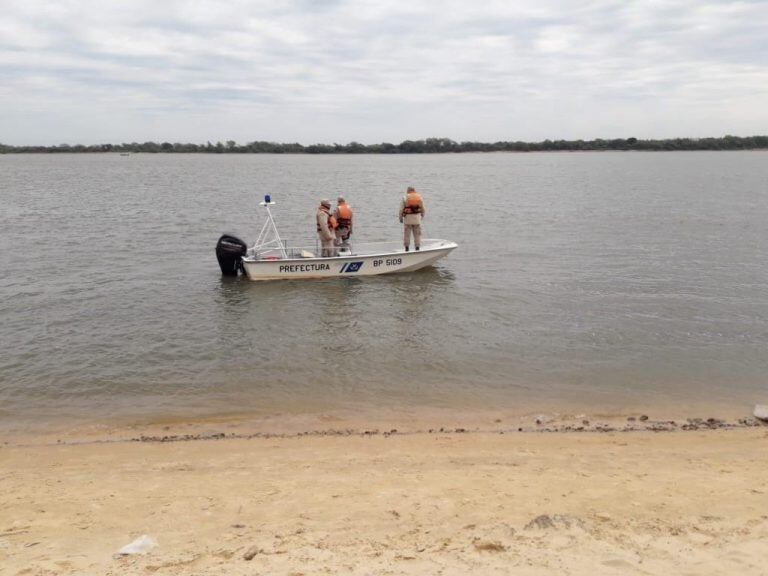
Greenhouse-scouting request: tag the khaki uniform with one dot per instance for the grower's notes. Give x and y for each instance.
(326, 235)
(411, 224)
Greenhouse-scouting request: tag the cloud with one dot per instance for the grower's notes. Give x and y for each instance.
(307, 71)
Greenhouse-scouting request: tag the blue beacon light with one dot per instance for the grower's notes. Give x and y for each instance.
(267, 198)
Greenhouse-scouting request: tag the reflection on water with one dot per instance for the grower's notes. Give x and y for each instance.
(600, 279)
(328, 319)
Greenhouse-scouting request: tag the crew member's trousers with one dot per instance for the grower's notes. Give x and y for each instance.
(414, 229)
(328, 247)
(341, 233)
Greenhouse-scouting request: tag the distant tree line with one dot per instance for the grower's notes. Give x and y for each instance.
(428, 146)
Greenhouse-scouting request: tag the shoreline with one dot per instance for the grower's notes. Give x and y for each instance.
(433, 146)
(452, 422)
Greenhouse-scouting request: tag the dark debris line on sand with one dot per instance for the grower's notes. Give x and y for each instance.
(641, 424)
(633, 424)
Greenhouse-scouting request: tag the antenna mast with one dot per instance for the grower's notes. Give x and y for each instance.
(269, 237)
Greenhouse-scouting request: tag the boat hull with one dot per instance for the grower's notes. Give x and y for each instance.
(347, 266)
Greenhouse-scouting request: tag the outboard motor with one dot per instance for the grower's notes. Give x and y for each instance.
(229, 251)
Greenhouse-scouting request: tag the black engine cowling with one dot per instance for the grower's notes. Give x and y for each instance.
(229, 251)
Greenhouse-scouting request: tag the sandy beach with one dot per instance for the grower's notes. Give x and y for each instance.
(638, 502)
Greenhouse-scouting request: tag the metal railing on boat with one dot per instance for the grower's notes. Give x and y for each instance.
(286, 250)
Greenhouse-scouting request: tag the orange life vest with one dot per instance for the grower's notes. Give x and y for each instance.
(344, 212)
(332, 225)
(412, 203)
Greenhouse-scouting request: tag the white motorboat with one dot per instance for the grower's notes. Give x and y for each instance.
(270, 258)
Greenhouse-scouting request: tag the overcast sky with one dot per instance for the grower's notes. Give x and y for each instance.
(82, 71)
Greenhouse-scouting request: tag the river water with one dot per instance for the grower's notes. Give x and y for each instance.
(588, 280)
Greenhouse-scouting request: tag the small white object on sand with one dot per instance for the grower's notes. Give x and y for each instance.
(761, 411)
(141, 545)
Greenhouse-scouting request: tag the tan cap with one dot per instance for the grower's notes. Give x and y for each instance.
(325, 202)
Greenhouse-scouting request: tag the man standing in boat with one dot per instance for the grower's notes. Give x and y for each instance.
(411, 213)
(326, 224)
(343, 215)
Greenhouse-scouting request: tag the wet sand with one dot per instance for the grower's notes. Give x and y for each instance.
(379, 420)
(691, 501)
